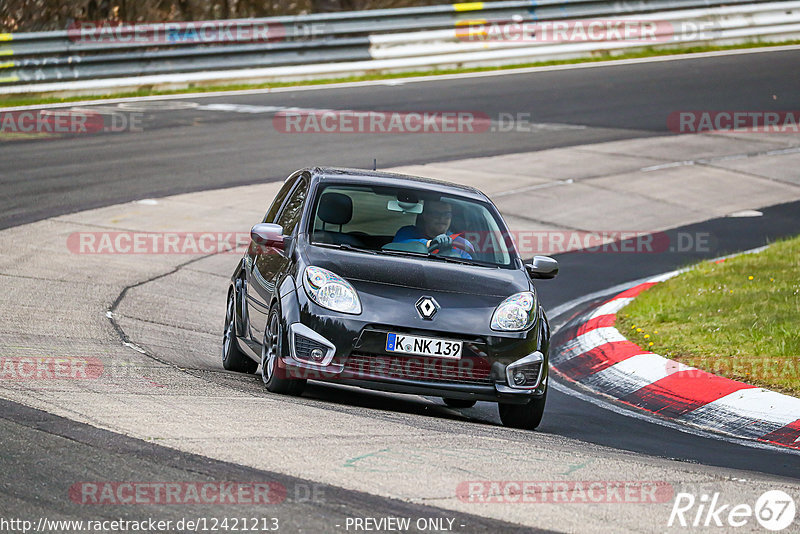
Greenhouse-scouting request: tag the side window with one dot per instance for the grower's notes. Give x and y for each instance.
(279, 198)
(293, 209)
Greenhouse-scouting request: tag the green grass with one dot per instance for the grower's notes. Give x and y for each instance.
(23, 100)
(739, 318)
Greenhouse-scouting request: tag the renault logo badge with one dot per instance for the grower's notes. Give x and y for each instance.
(427, 307)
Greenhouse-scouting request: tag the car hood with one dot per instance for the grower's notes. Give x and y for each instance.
(419, 273)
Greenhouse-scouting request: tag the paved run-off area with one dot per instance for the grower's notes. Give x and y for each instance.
(55, 304)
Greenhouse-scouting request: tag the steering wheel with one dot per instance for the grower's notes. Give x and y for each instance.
(461, 245)
(455, 244)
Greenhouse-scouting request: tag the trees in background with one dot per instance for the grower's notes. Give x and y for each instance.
(42, 15)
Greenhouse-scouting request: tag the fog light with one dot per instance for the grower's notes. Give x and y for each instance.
(526, 372)
(317, 355)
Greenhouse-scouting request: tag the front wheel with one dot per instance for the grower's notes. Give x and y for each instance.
(232, 358)
(524, 416)
(270, 359)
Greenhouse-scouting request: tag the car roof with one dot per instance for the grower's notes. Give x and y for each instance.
(369, 177)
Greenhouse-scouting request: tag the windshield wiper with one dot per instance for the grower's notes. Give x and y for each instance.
(402, 253)
(346, 246)
(451, 259)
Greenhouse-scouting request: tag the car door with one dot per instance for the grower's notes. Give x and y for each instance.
(268, 266)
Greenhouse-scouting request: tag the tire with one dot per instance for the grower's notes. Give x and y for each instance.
(459, 403)
(524, 416)
(271, 349)
(234, 359)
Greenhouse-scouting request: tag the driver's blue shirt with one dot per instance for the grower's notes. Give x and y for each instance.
(413, 233)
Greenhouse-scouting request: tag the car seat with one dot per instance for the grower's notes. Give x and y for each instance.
(335, 209)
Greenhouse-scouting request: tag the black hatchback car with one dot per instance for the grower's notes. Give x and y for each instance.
(393, 283)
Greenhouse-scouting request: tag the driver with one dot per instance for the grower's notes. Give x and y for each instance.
(432, 230)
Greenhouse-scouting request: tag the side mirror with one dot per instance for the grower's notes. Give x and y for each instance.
(268, 235)
(542, 267)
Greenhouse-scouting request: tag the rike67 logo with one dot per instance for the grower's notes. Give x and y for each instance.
(774, 510)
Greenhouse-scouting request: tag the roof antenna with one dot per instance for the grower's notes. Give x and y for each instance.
(375, 164)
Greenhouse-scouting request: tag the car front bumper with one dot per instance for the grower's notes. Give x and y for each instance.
(358, 357)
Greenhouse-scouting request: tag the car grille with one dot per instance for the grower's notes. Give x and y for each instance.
(438, 370)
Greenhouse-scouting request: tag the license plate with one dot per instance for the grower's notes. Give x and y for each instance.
(423, 346)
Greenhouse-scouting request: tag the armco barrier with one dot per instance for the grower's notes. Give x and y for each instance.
(363, 41)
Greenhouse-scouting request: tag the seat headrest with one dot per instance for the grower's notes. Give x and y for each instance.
(335, 208)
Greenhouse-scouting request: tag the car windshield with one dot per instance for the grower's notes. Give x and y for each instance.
(388, 220)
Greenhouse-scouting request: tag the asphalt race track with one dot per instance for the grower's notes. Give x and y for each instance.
(180, 150)
(187, 145)
(70, 448)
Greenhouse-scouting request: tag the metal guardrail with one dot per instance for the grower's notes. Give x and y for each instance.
(432, 35)
(697, 26)
(358, 22)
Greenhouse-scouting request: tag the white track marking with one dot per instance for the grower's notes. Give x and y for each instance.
(745, 213)
(633, 373)
(590, 340)
(755, 403)
(611, 307)
(241, 108)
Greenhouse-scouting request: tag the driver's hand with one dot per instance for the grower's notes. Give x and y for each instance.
(441, 242)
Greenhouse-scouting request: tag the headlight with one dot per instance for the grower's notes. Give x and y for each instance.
(517, 312)
(331, 291)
